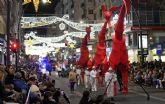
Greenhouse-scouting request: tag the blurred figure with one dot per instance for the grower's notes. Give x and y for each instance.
(110, 80)
(87, 78)
(72, 79)
(48, 98)
(93, 79)
(85, 98)
(78, 71)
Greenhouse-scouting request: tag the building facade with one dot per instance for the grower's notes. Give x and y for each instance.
(15, 17)
(147, 16)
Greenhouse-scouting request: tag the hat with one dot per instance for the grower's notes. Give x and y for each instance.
(34, 88)
(110, 69)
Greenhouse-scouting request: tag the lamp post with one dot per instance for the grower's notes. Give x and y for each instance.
(141, 43)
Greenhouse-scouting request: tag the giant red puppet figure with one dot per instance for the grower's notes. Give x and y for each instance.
(100, 54)
(83, 61)
(84, 49)
(119, 55)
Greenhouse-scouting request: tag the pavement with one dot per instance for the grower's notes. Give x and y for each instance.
(136, 94)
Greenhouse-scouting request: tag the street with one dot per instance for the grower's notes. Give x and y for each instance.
(135, 96)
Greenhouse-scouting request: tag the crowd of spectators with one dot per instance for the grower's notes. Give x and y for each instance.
(28, 86)
(149, 74)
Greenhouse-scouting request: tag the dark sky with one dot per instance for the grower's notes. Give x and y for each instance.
(43, 8)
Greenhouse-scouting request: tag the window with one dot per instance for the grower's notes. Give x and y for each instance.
(90, 11)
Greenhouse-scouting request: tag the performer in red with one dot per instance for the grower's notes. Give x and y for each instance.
(100, 54)
(84, 52)
(105, 66)
(119, 52)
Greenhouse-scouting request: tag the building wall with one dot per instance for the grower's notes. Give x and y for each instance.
(151, 12)
(15, 16)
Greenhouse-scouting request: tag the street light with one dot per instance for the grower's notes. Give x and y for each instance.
(46, 1)
(81, 21)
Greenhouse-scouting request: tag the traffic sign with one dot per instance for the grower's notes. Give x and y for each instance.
(159, 49)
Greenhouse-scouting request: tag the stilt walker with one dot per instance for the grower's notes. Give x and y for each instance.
(84, 53)
(119, 52)
(101, 47)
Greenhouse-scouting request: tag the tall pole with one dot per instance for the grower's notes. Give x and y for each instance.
(8, 33)
(16, 61)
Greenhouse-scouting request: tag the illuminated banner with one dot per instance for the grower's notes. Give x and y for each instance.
(30, 22)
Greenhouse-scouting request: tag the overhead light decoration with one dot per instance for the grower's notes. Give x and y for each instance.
(71, 45)
(62, 26)
(36, 3)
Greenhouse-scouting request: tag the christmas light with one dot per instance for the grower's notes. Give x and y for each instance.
(30, 22)
(36, 3)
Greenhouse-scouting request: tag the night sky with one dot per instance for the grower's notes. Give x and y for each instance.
(43, 8)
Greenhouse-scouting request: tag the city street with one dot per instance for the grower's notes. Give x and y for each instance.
(135, 96)
(82, 41)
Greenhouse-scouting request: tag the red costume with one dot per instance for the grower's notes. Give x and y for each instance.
(84, 53)
(119, 52)
(89, 65)
(100, 54)
(84, 49)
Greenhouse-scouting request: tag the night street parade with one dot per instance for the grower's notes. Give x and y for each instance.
(82, 51)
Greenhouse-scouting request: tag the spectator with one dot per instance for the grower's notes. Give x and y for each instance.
(72, 79)
(85, 98)
(10, 74)
(148, 79)
(48, 98)
(163, 81)
(19, 83)
(154, 79)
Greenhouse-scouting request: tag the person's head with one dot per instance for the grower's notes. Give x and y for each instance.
(18, 75)
(99, 99)
(11, 69)
(32, 80)
(94, 68)
(110, 70)
(48, 95)
(8, 87)
(86, 94)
